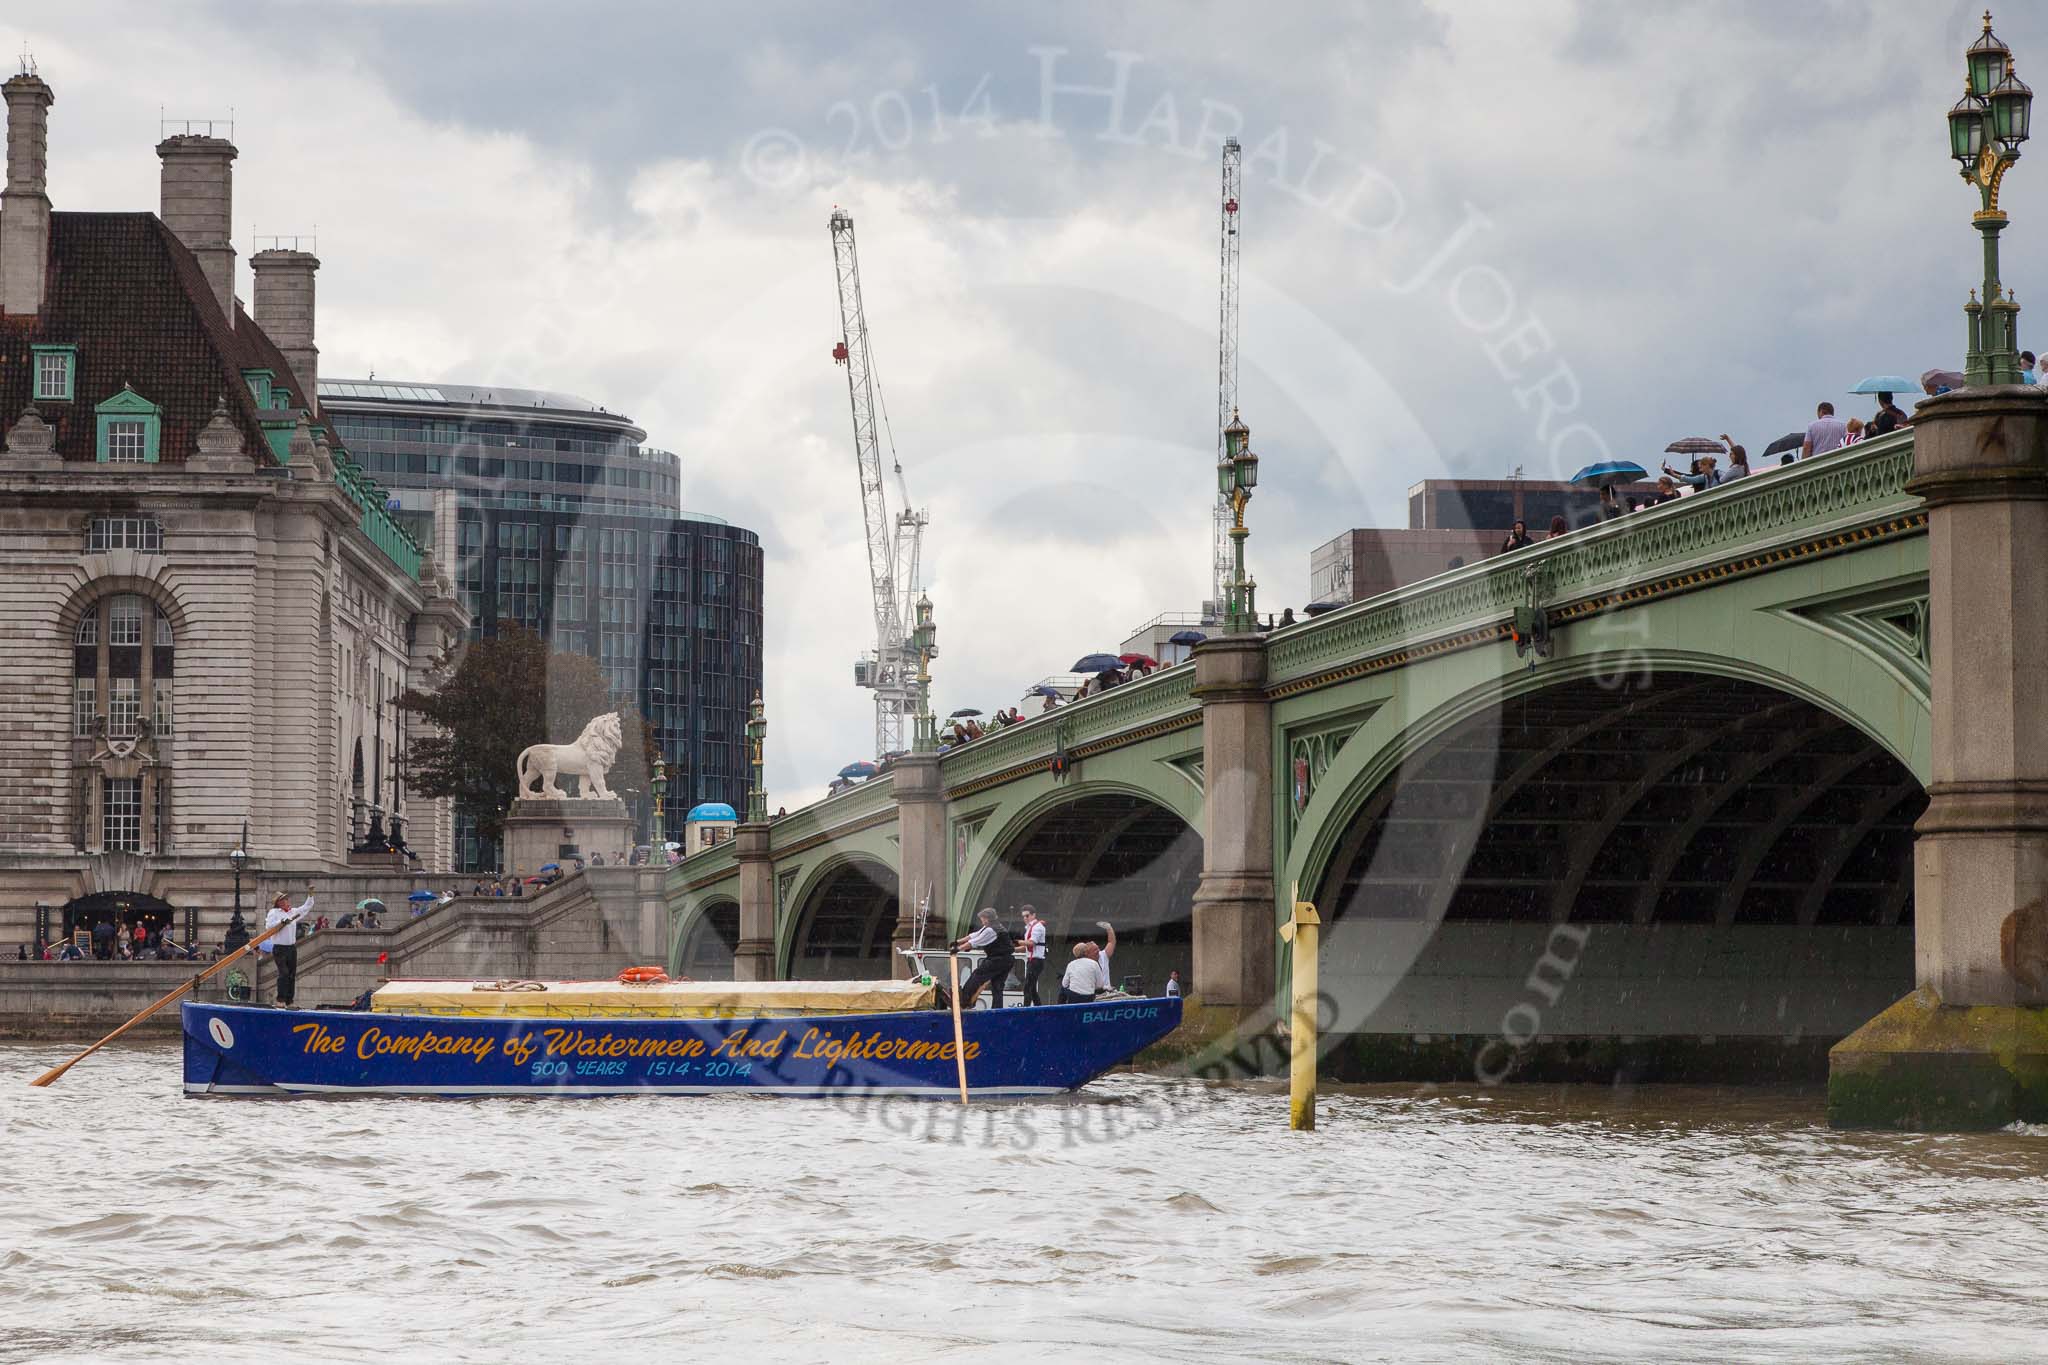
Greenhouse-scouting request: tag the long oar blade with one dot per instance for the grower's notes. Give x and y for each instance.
(54, 1072)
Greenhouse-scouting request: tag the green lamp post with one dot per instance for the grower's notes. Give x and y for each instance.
(1237, 474)
(923, 638)
(757, 735)
(659, 785)
(1985, 129)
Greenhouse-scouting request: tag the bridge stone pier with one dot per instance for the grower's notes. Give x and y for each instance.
(1670, 835)
(1969, 1047)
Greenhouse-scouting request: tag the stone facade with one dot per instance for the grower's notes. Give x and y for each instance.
(206, 612)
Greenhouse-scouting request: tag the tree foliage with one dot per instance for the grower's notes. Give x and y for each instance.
(497, 696)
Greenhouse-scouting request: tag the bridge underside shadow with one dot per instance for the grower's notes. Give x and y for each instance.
(843, 930)
(1107, 857)
(1662, 869)
(707, 952)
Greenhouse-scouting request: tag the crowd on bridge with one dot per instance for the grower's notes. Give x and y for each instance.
(1827, 433)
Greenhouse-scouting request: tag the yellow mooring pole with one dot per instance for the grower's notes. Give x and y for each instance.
(1303, 931)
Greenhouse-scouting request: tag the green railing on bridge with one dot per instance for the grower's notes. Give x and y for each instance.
(851, 806)
(820, 819)
(1163, 696)
(1847, 493)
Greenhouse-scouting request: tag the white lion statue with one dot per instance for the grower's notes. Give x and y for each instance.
(589, 758)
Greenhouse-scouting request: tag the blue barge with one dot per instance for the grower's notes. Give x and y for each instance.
(252, 1050)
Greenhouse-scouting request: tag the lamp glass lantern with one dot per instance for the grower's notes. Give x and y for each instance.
(1989, 61)
(2012, 106)
(1247, 471)
(926, 632)
(660, 780)
(1966, 129)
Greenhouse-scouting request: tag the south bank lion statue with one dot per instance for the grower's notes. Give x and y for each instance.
(589, 758)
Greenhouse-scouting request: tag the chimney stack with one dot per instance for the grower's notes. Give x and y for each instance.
(198, 206)
(25, 204)
(284, 310)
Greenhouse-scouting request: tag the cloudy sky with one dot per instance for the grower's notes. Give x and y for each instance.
(1476, 236)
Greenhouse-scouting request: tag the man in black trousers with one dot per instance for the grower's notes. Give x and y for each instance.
(1034, 953)
(284, 948)
(999, 953)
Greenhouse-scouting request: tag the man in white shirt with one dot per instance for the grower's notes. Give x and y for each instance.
(1083, 980)
(284, 948)
(1034, 953)
(1824, 433)
(1102, 954)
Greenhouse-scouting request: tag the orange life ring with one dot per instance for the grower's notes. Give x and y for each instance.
(643, 976)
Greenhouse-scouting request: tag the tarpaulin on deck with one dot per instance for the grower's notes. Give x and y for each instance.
(673, 999)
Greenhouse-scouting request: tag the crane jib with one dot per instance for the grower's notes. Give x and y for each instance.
(894, 546)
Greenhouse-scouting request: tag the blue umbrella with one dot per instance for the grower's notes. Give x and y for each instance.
(862, 768)
(551, 867)
(1610, 472)
(423, 896)
(1186, 637)
(1044, 690)
(1097, 663)
(1886, 383)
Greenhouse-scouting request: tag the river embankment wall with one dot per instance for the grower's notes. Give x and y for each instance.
(589, 925)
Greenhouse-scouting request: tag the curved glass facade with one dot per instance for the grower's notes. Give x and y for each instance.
(566, 523)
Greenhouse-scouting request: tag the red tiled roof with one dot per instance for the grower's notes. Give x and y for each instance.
(133, 300)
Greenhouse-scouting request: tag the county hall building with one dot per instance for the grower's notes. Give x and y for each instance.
(206, 606)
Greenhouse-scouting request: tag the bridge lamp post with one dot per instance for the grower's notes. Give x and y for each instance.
(923, 639)
(757, 736)
(1237, 474)
(1985, 130)
(658, 784)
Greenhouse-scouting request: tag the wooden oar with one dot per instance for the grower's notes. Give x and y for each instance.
(959, 1040)
(53, 1073)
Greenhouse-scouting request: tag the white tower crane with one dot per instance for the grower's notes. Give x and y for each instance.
(894, 547)
(1226, 369)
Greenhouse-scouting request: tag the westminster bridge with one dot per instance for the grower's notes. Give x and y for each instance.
(1652, 785)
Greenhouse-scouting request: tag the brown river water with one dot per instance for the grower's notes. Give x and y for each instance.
(1144, 1219)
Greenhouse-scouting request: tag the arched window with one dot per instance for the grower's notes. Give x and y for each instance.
(122, 659)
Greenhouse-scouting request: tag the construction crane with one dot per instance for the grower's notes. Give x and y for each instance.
(1226, 369)
(894, 546)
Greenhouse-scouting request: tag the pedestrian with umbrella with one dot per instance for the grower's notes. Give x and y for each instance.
(1890, 416)
(1704, 455)
(1607, 475)
(1786, 447)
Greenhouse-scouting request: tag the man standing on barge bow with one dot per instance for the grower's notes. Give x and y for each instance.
(999, 954)
(284, 949)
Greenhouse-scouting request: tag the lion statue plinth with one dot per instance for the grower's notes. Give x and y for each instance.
(589, 758)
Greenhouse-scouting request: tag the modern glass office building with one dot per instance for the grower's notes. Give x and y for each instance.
(567, 523)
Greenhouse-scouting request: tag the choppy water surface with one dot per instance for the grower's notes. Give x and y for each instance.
(1146, 1219)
